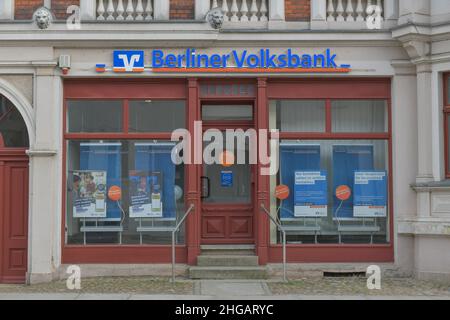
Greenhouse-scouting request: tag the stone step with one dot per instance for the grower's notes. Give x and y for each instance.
(220, 273)
(235, 250)
(227, 260)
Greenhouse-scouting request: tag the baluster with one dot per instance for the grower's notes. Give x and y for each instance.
(225, 10)
(244, 10)
(340, 11)
(234, 10)
(330, 11)
(263, 10)
(120, 10)
(139, 10)
(110, 10)
(359, 11)
(380, 9)
(369, 4)
(149, 10)
(100, 10)
(214, 4)
(130, 10)
(349, 10)
(254, 11)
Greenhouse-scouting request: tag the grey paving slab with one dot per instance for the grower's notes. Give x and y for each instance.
(169, 297)
(102, 296)
(38, 296)
(220, 288)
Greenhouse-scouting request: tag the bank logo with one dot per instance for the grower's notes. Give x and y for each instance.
(128, 61)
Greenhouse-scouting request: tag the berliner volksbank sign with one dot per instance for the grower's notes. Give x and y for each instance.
(241, 61)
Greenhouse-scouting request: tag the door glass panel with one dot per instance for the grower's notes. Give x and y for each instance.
(228, 183)
(227, 112)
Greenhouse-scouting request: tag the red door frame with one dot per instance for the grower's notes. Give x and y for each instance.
(17, 157)
(237, 207)
(189, 89)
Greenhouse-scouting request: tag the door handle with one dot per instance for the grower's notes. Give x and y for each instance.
(208, 187)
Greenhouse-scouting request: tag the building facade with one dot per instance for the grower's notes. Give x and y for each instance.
(358, 91)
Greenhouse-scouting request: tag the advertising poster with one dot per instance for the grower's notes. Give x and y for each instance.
(347, 159)
(144, 189)
(97, 156)
(89, 194)
(310, 194)
(295, 157)
(370, 194)
(156, 158)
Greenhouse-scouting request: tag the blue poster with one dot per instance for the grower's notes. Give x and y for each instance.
(347, 159)
(310, 194)
(156, 157)
(295, 157)
(370, 199)
(226, 179)
(145, 194)
(104, 157)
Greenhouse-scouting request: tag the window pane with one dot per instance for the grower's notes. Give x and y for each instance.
(94, 116)
(148, 186)
(227, 112)
(156, 116)
(229, 184)
(339, 191)
(297, 115)
(13, 131)
(359, 116)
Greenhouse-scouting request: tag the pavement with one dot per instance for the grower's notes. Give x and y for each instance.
(306, 289)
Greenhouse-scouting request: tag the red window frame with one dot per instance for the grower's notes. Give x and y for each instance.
(329, 90)
(446, 112)
(124, 90)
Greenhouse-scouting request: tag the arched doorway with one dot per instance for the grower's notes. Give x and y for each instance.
(14, 141)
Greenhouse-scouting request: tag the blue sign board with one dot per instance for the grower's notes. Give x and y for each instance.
(128, 61)
(310, 194)
(134, 60)
(370, 194)
(226, 179)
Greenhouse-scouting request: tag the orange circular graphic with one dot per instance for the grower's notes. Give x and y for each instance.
(115, 193)
(343, 192)
(226, 158)
(282, 192)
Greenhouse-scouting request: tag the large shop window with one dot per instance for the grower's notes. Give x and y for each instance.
(125, 190)
(334, 157)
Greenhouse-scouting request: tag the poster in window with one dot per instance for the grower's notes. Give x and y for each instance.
(104, 156)
(310, 194)
(347, 159)
(370, 194)
(145, 194)
(295, 157)
(89, 194)
(156, 157)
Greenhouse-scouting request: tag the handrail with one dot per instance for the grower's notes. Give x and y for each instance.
(174, 231)
(280, 227)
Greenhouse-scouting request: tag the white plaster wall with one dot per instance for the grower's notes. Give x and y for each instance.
(432, 258)
(404, 157)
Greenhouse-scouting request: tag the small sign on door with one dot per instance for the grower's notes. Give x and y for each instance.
(226, 179)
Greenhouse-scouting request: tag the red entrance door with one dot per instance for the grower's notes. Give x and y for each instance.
(13, 215)
(228, 188)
